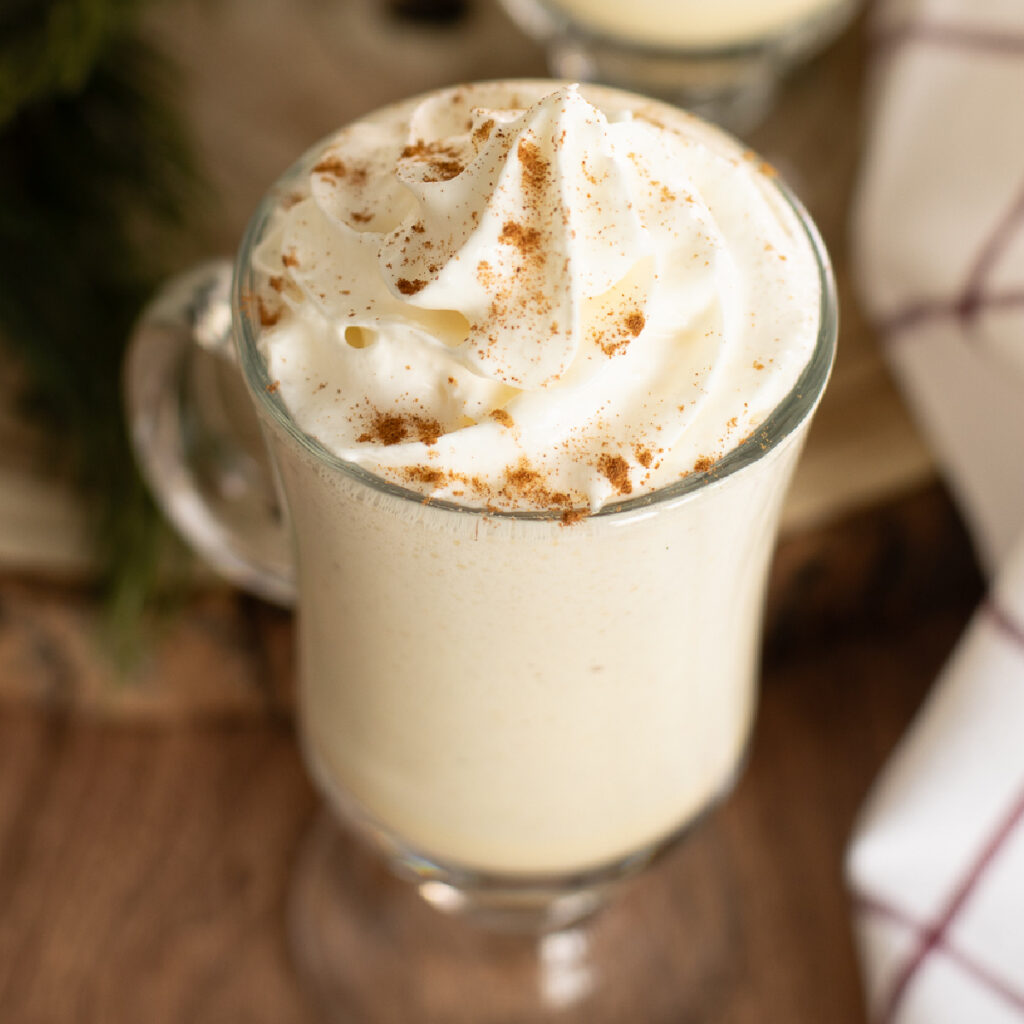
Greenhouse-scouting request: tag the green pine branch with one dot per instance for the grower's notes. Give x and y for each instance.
(95, 177)
(51, 48)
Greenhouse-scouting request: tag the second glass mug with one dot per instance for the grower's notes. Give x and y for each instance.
(518, 713)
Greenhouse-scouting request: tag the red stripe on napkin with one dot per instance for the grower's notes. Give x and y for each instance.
(956, 37)
(972, 298)
(934, 935)
(973, 968)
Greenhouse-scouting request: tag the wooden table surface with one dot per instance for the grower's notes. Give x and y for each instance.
(144, 868)
(145, 859)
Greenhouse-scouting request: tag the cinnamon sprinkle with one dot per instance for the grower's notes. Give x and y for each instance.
(332, 165)
(425, 475)
(535, 168)
(483, 133)
(427, 430)
(393, 428)
(526, 240)
(268, 317)
(441, 159)
(407, 287)
(522, 481)
(423, 150)
(484, 274)
(635, 323)
(502, 417)
(444, 170)
(616, 469)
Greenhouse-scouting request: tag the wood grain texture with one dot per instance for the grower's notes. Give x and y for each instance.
(142, 873)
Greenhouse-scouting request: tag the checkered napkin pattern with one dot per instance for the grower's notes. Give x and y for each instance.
(936, 864)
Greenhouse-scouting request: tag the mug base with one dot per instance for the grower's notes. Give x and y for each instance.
(370, 947)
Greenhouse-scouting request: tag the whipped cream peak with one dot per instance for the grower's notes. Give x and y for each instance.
(518, 223)
(531, 295)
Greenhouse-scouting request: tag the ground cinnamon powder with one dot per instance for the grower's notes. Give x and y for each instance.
(393, 428)
(332, 165)
(616, 469)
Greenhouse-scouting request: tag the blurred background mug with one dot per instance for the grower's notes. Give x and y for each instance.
(722, 60)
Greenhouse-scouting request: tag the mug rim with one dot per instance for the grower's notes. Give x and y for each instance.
(788, 414)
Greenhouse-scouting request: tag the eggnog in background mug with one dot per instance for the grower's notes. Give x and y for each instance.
(723, 59)
(534, 364)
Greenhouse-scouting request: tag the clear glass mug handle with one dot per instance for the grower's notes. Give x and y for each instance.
(197, 437)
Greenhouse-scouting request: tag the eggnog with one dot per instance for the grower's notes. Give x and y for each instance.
(695, 24)
(535, 363)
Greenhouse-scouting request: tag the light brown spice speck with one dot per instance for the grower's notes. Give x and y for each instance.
(407, 287)
(332, 165)
(535, 167)
(268, 317)
(523, 482)
(635, 323)
(392, 428)
(483, 133)
(616, 470)
(425, 475)
(526, 240)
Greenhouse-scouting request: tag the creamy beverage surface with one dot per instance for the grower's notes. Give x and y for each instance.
(696, 23)
(525, 296)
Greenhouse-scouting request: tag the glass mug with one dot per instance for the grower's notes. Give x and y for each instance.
(723, 61)
(519, 714)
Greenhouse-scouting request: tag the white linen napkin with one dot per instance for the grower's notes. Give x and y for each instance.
(936, 863)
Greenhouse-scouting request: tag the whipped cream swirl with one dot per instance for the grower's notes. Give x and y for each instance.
(528, 296)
